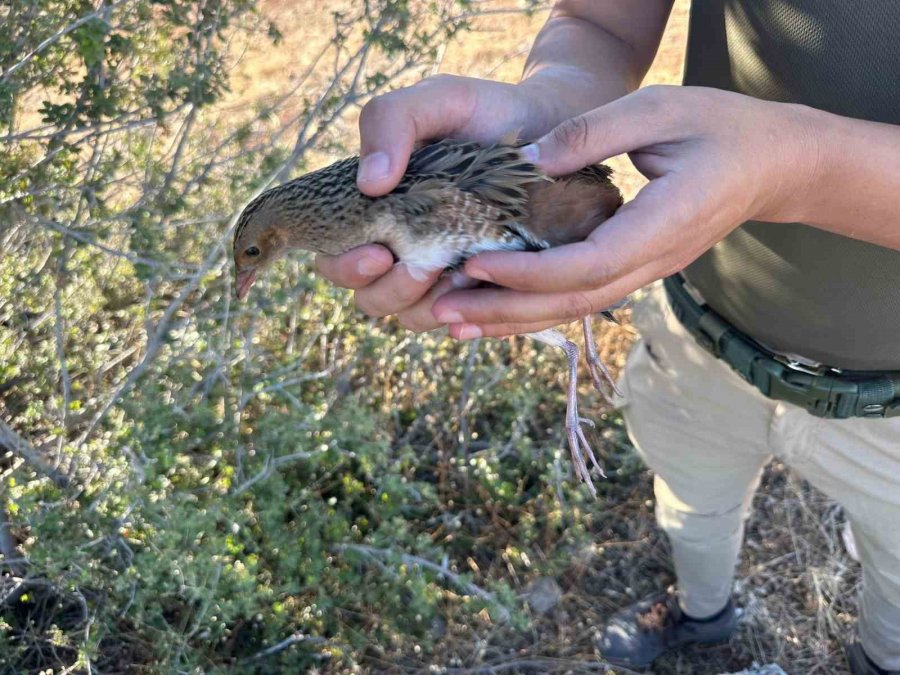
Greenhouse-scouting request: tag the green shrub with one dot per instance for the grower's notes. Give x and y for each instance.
(189, 485)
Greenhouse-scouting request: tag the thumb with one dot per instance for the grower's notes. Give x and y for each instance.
(624, 125)
(390, 125)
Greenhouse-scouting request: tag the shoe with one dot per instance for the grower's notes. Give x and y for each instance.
(636, 635)
(861, 664)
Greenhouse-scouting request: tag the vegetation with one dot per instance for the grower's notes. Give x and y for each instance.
(188, 485)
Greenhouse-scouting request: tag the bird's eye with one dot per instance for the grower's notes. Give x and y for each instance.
(252, 251)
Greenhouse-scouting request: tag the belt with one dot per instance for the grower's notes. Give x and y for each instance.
(822, 391)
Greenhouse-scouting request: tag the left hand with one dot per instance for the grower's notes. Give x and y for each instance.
(715, 159)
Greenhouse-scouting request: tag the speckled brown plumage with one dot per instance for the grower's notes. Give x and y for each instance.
(456, 199)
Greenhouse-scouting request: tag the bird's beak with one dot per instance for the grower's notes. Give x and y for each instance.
(243, 280)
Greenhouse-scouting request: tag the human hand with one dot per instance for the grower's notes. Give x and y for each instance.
(390, 126)
(715, 159)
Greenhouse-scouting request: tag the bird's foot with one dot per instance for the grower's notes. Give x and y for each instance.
(579, 447)
(599, 372)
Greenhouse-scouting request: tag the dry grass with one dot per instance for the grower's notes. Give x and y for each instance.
(797, 586)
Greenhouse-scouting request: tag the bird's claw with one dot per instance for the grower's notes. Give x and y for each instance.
(578, 442)
(579, 447)
(599, 372)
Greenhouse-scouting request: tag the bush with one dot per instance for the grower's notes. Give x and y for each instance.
(189, 485)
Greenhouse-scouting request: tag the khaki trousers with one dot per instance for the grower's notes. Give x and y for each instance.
(707, 435)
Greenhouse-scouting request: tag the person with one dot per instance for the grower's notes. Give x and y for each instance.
(773, 211)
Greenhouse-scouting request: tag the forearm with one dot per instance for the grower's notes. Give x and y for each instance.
(588, 53)
(854, 183)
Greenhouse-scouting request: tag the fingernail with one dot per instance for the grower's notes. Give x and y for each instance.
(450, 316)
(368, 267)
(418, 273)
(478, 273)
(460, 280)
(469, 332)
(373, 167)
(530, 153)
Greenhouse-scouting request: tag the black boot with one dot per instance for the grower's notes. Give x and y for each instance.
(861, 664)
(639, 633)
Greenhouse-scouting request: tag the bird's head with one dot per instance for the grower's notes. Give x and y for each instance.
(260, 238)
(317, 212)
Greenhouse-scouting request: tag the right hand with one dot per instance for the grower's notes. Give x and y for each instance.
(389, 128)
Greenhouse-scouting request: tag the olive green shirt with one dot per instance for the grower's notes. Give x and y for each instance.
(795, 288)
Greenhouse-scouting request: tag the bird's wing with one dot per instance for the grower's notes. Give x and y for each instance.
(572, 206)
(496, 174)
(513, 200)
(420, 195)
(438, 204)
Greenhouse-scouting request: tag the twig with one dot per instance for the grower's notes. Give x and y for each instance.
(59, 328)
(284, 644)
(87, 239)
(213, 261)
(12, 559)
(269, 469)
(442, 570)
(21, 448)
(90, 132)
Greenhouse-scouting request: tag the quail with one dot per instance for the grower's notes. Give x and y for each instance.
(455, 200)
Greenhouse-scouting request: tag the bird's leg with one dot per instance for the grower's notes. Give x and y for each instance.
(595, 365)
(578, 443)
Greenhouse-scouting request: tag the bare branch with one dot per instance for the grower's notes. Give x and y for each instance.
(22, 449)
(9, 549)
(284, 644)
(78, 235)
(65, 377)
(271, 465)
(442, 570)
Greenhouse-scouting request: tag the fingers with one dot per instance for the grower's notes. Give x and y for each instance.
(390, 125)
(394, 292)
(384, 288)
(544, 271)
(653, 229)
(356, 268)
(498, 305)
(469, 331)
(624, 125)
(502, 312)
(418, 317)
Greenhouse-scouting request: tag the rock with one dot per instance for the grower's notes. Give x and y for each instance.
(543, 594)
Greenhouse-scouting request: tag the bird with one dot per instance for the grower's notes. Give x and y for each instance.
(456, 199)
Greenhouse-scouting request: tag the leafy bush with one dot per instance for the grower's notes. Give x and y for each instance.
(189, 485)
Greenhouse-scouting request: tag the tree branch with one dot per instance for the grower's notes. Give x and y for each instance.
(22, 449)
(442, 570)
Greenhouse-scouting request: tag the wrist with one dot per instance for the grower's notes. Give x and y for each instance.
(543, 106)
(799, 144)
(847, 182)
(556, 93)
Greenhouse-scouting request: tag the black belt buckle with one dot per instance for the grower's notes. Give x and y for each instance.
(820, 390)
(813, 368)
(821, 395)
